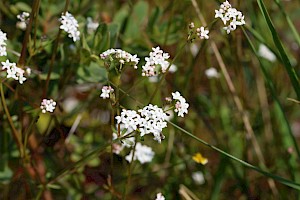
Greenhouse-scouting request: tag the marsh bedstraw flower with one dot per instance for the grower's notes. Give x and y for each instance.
(149, 120)
(202, 33)
(159, 196)
(106, 91)
(70, 25)
(156, 63)
(23, 17)
(91, 25)
(181, 106)
(13, 71)
(3, 39)
(265, 52)
(120, 56)
(142, 153)
(231, 17)
(48, 105)
(212, 73)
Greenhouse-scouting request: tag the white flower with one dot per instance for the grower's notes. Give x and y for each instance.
(142, 153)
(23, 17)
(212, 73)
(13, 71)
(231, 17)
(48, 105)
(202, 33)
(153, 120)
(70, 25)
(181, 106)
(121, 56)
(156, 63)
(3, 39)
(106, 90)
(129, 118)
(91, 25)
(266, 53)
(159, 196)
(198, 177)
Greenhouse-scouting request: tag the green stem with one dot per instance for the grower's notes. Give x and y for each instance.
(35, 8)
(16, 134)
(54, 54)
(158, 86)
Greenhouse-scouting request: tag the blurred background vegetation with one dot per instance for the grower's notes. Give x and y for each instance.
(57, 165)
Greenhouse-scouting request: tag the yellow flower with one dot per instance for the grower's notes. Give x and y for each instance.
(198, 158)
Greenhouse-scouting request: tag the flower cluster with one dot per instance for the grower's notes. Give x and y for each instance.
(23, 17)
(2, 43)
(159, 196)
(197, 32)
(121, 56)
(13, 71)
(91, 25)
(153, 120)
(150, 119)
(106, 91)
(231, 17)
(202, 33)
(70, 25)
(48, 105)
(155, 63)
(181, 106)
(142, 153)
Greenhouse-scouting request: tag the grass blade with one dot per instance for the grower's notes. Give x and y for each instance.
(290, 70)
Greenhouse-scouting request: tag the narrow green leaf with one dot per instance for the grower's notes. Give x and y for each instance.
(244, 163)
(290, 70)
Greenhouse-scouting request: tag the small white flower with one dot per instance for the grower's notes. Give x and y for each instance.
(202, 33)
(106, 90)
(23, 17)
(70, 25)
(198, 177)
(3, 39)
(159, 196)
(266, 53)
(129, 118)
(142, 153)
(181, 106)
(13, 71)
(91, 25)
(48, 105)
(231, 17)
(212, 73)
(120, 56)
(156, 63)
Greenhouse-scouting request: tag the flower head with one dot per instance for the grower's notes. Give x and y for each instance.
(3, 39)
(120, 56)
(48, 105)
(13, 71)
(212, 73)
(142, 153)
(159, 196)
(23, 17)
(156, 63)
(181, 106)
(106, 91)
(231, 17)
(202, 33)
(91, 25)
(198, 158)
(70, 25)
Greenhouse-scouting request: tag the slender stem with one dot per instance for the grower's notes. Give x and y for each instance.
(35, 8)
(164, 75)
(54, 54)
(15, 133)
(129, 173)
